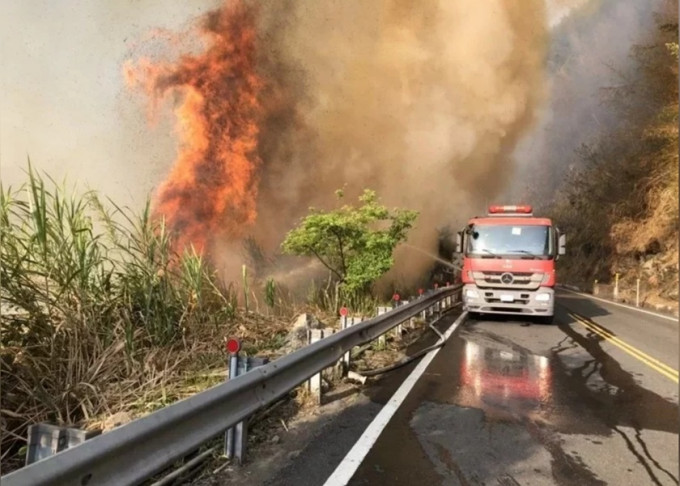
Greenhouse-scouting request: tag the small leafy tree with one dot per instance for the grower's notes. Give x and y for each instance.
(355, 243)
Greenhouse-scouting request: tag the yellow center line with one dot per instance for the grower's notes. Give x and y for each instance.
(653, 363)
(595, 327)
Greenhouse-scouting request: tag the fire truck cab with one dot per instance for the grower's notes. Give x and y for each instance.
(509, 263)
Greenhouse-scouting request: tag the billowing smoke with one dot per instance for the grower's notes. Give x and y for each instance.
(422, 101)
(590, 52)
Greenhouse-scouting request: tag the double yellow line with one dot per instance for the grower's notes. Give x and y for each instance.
(653, 363)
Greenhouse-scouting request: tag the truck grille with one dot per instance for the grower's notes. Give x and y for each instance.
(520, 280)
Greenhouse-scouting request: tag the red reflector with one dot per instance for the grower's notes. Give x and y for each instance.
(343, 311)
(524, 209)
(396, 297)
(233, 346)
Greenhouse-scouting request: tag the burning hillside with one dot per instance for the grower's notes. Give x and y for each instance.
(289, 101)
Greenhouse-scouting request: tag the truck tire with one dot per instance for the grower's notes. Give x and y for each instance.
(547, 320)
(474, 316)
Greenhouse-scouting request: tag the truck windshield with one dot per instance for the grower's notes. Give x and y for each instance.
(527, 241)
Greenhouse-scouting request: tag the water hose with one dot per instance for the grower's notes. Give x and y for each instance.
(407, 359)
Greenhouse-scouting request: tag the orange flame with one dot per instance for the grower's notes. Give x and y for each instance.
(212, 187)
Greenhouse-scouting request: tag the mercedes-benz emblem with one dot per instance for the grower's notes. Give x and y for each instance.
(507, 278)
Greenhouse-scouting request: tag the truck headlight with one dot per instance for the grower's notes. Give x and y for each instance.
(544, 297)
(471, 294)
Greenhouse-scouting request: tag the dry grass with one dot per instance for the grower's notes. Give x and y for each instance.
(102, 322)
(96, 308)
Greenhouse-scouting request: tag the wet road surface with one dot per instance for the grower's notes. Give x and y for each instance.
(591, 399)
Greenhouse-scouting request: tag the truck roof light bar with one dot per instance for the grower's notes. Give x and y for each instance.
(523, 210)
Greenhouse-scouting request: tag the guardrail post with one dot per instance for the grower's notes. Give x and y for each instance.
(241, 429)
(637, 293)
(382, 340)
(399, 329)
(343, 325)
(423, 313)
(233, 346)
(315, 381)
(45, 440)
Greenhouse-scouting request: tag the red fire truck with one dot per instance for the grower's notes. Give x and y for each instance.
(509, 263)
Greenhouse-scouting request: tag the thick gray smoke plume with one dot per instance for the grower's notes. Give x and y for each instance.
(422, 101)
(589, 52)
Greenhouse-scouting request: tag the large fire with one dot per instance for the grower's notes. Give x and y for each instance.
(212, 187)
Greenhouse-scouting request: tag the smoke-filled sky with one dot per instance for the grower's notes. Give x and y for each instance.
(424, 101)
(589, 52)
(61, 99)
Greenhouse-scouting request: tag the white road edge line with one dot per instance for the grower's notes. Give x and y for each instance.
(670, 318)
(349, 465)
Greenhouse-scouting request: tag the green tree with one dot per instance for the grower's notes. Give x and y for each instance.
(355, 243)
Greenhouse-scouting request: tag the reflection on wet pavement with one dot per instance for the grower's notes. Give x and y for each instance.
(503, 379)
(503, 404)
(498, 408)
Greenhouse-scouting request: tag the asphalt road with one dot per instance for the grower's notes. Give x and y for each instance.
(592, 399)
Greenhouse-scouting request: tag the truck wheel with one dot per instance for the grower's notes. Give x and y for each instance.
(475, 316)
(546, 319)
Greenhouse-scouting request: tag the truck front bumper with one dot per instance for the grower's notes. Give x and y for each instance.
(539, 302)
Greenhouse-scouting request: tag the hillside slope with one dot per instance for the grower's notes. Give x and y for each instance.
(620, 207)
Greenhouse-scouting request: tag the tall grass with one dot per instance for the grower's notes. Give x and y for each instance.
(93, 299)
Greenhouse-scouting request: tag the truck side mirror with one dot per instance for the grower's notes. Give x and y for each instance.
(459, 242)
(562, 245)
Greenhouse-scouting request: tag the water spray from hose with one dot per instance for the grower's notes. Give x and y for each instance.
(434, 257)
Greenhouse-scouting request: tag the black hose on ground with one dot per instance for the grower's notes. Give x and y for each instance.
(408, 359)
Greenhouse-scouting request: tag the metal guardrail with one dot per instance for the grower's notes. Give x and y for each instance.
(130, 454)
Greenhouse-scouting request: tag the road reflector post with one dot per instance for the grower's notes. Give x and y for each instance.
(616, 287)
(637, 293)
(395, 300)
